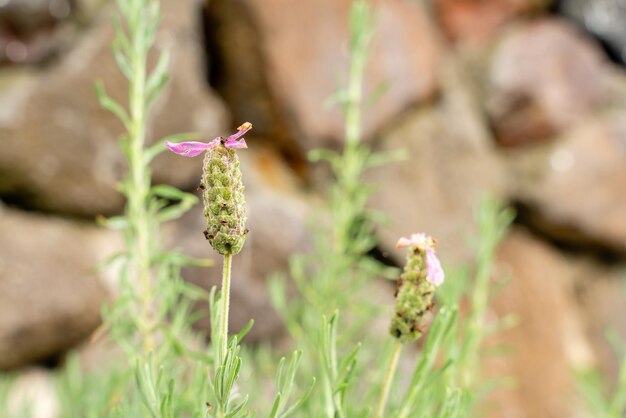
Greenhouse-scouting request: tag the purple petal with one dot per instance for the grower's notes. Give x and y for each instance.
(236, 144)
(241, 131)
(434, 271)
(236, 141)
(191, 148)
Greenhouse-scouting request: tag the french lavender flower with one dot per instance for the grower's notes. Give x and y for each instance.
(222, 189)
(416, 287)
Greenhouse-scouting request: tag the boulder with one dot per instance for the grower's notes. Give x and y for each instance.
(548, 342)
(571, 189)
(50, 298)
(448, 168)
(33, 393)
(277, 63)
(544, 76)
(28, 29)
(602, 18)
(601, 296)
(60, 148)
(278, 215)
(479, 20)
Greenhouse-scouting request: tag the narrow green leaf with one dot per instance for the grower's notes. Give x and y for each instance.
(244, 331)
(158, 77)
(111, 105)
(300, 401)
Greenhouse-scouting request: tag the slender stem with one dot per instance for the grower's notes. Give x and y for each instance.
(355, 93)
(225, 303)
(391, 372)
(140, 184)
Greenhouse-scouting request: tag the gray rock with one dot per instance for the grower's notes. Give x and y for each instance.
(60, 148)
(573, 186)
(603, 18)
(544, 77)
(50, 298)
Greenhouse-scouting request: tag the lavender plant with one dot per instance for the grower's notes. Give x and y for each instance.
(161, 379)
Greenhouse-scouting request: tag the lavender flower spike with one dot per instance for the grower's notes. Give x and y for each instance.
(425, 244)
(415, 288)
(194, 148)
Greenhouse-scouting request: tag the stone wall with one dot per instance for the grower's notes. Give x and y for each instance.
(508, 98)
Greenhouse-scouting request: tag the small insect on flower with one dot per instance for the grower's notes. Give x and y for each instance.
(222, 188)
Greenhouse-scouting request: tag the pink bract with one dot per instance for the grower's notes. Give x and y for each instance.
(194, 148)
(426, 244)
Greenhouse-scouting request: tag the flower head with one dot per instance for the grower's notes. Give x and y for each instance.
(425, 244)
(194, 148)
(415, 288)
(222, 189)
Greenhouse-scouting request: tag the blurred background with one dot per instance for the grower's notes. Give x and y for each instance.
(524, 100)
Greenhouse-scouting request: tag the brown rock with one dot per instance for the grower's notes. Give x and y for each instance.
(476, 20)
(602, 299)
(449, 167)
(28, 29)
(277, 220)
(60, 148)
(548, 342)
(573, 187)
(280, 61)
(544, 76)
(50, 298)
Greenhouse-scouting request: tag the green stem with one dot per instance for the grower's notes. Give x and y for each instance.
(391, 372)
(225, 303)
(138, 197)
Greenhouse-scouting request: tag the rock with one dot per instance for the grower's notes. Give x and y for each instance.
(548, 342)
(50, 298)
(572, 188)
(60, 148)
(28, 28)
(544, 77)
(34, 393)
(448, 168)
(602, 299)
(277, 219)
(278, 63)
(603, 18)
(478, 20)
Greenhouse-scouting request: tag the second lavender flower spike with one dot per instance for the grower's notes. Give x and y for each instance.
(416, 287)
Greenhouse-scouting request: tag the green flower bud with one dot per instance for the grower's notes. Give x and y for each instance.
(224, 202)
